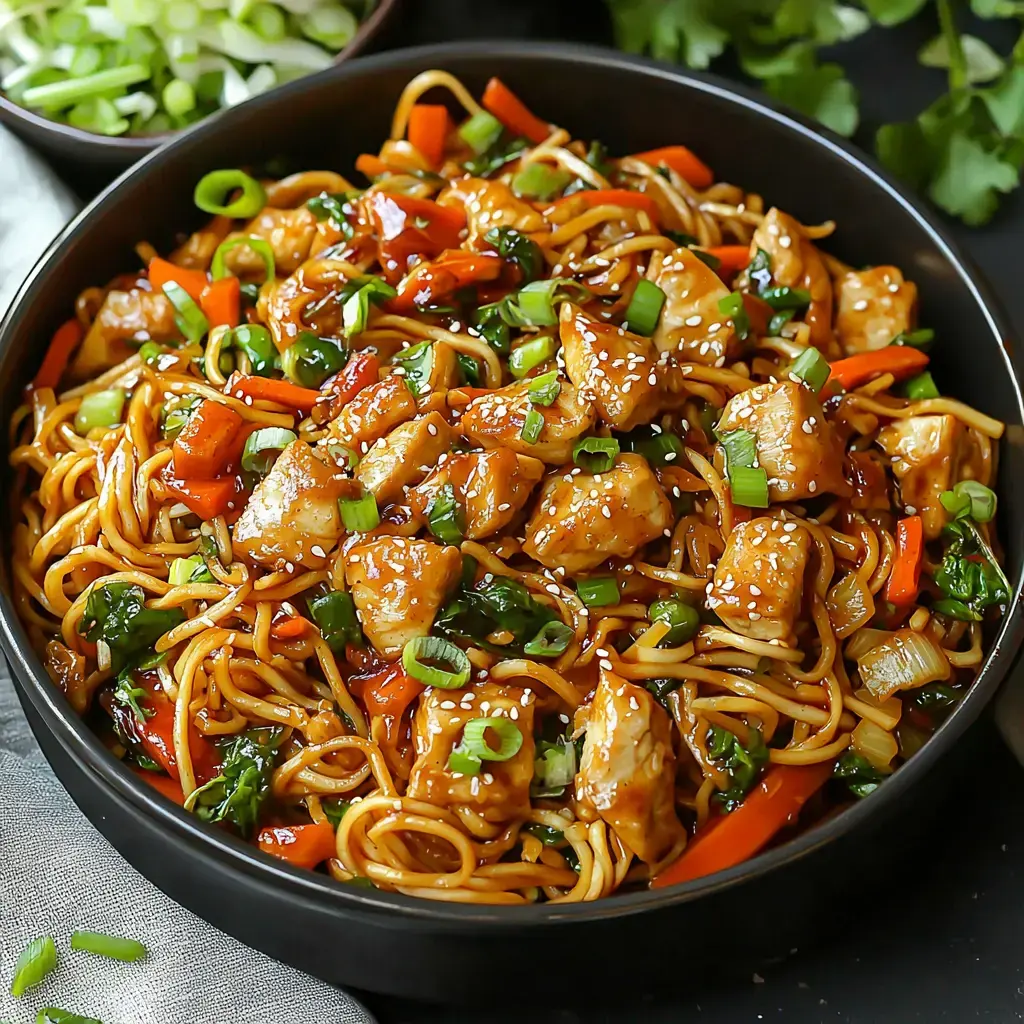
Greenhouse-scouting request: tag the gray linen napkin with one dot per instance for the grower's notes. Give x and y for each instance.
(57, 873)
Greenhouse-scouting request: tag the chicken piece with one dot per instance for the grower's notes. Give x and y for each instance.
(628, 770)
(614, 367)
(373, 412)
(495, 420)
(196, 252)
(925, 453)
(490, 204)
(124, 321)
(585, 519)
(404, 457)
(691, 323)
(428, 367)
(759, 580)
(502, 791)
(67, 669)
(284, 305)
(874, 306)
(289, 232)
(398, 585)
(490, 487)
(292, 516)
(795, 443)
(796, 263)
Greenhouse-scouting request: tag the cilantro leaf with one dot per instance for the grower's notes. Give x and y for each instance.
(969, 179)
(823, 93)
(981, 62)
(681, 30)
(893, 12)
(1005, 102)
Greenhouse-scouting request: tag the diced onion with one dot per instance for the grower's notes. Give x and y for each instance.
(863, 640)
(874, 744)
(850, 605)
(890, 710)
(905, 661)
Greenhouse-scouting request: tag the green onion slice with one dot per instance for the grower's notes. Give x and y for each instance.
(37, 959)
(780, 297)
(921, 338)
(445, 518)
(54, 1015)
(262, 447)
(740, 448)
(475, 738)
(749, 486)
(255, 341)
(595, 454)
(113, 946)
(598, 591)
(683, 619)
(970, 498)
(534, 304)
(530, 355)
(918, 388)
(463, 763)
(65, 92)
(359, 514)
(812, 368)
(552, 640)
(99, 409)
(659, 448)
(310, 360)
(424, 657)
(418, 363)
(214, 189)
(189, 317)
(480, 132)
(262, 248)
(539, 181)
(644, 308)
(731, 305)
(532, 426)
(335, 616)
(189, 570)
(543, 390)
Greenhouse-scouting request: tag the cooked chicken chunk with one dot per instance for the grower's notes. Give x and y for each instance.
(628, 770)
(490, 204)
(796, 263)
(398, 585)
(292, 515)
(500, 794)
(614, 367)
(495, 420)
(490, 487)
(795, 443)
(289, 232)
(925, 452)
(133, 316)
(585, 519)
(759, 580)
(372, 413)
(874, 306)
(691, 323)
(404, 457)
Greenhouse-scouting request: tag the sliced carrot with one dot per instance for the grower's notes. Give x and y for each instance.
(206, 498)
(156, 735)
(362, 370)
(283, 392)
(613, 197)
(686, 164)
(731, 258)
(203, 448)
(452, 270)
(428, 131)
(171, 788)
(388, 691)
(221, 302)
(64, 341)
(370, 165)
(905, 576)
(290, 629)
(510, 110)
(733, 838)
(193, 281)
(305, 846)
(900, 360)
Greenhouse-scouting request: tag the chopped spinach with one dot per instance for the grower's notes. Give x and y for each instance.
(743, 764)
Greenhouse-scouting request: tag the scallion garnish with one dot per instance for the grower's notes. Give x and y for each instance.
(475, 745)
(63, 93)
(749, 486)
(918, 388)
(444, 516)
(554, 768)
(112, 946)
(740, 448)
(436, 662)
(530, 355)
(335, 616)
(921, 338)
(780, 297)
(219, 269)
(188, 316)
(598, 591)
(189, 570)
(359, 514)
(99, 409)
(255, 341)
(480, 132)
(731, 305)
(534, 305)
(36, 961)
(812, 368)
(532, 426)
(418, 363)
(262, 447)
(214, 190)
(543, 390)
(516, 247)
(355, 310)
(552, 640)
(539, 181)
(683, 620)
(970, 498)
(644, 308)
(659, 449)
(310, 360)
(595, 454)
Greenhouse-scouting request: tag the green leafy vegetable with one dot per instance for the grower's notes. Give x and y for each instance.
(743, 764)
(554, 767)
(970, 577)
(335, 616)
(497, 604)
(518, 249)
(859, 773)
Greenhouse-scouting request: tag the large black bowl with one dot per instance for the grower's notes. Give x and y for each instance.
(436, 950)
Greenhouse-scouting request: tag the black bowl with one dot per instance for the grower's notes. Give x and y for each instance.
(421, 948)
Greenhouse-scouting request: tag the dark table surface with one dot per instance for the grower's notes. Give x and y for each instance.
(941, 938)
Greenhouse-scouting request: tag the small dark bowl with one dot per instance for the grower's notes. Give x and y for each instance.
(89, 160)
(788, 896)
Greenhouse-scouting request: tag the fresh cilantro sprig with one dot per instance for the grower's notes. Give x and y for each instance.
(964, 151)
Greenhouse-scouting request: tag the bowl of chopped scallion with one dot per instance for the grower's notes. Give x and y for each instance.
(106, 81)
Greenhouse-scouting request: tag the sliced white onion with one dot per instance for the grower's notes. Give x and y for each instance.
(874, 744)
(905, 661)
(890, 710)
(863, 640)
(850, 605)
(102, 655)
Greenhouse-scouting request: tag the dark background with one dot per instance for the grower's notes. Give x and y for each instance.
(941, 936)
(938, 937)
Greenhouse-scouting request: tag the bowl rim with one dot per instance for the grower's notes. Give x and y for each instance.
(334, 897)
(13, 113)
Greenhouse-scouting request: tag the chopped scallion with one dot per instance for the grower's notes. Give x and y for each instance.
(189, 570)
(262, 447)
(189, 317)
(359, 514)
(36, 961)
(732, 306)
(532, 426)
(644, 308)
(740, 448)
(214, 190)
(128, 950)
(475, 739)
(970, 498)
(424, 656)
(310, 360)
(595, 454)
(335, 616)
(255, 341)
(260, 246)
(543, 390)
(683, 620)
(530, 355)
(598, 591)
(480, 132)
(552, 640)
(444, 516)
(539, 181)
(749, 486)
(55, 95)
(99, 409)
(921, 387)
(812, 368)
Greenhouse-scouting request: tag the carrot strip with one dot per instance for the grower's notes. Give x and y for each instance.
(370, 165)
(389, 691)
(289, 629)
(731, 258)
(613, 197)
(206, 498)
(904, 578)
(686, 164)
(283, 392)
(305, 846)
(170, 788)
(736, 837)
(64, 341)
(510, 110)
(221, 302)
(899, 360)
(162, 271)
(453, 269)
(202, 448)
(428, 131)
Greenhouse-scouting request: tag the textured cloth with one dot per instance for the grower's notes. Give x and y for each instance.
(66, 876)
